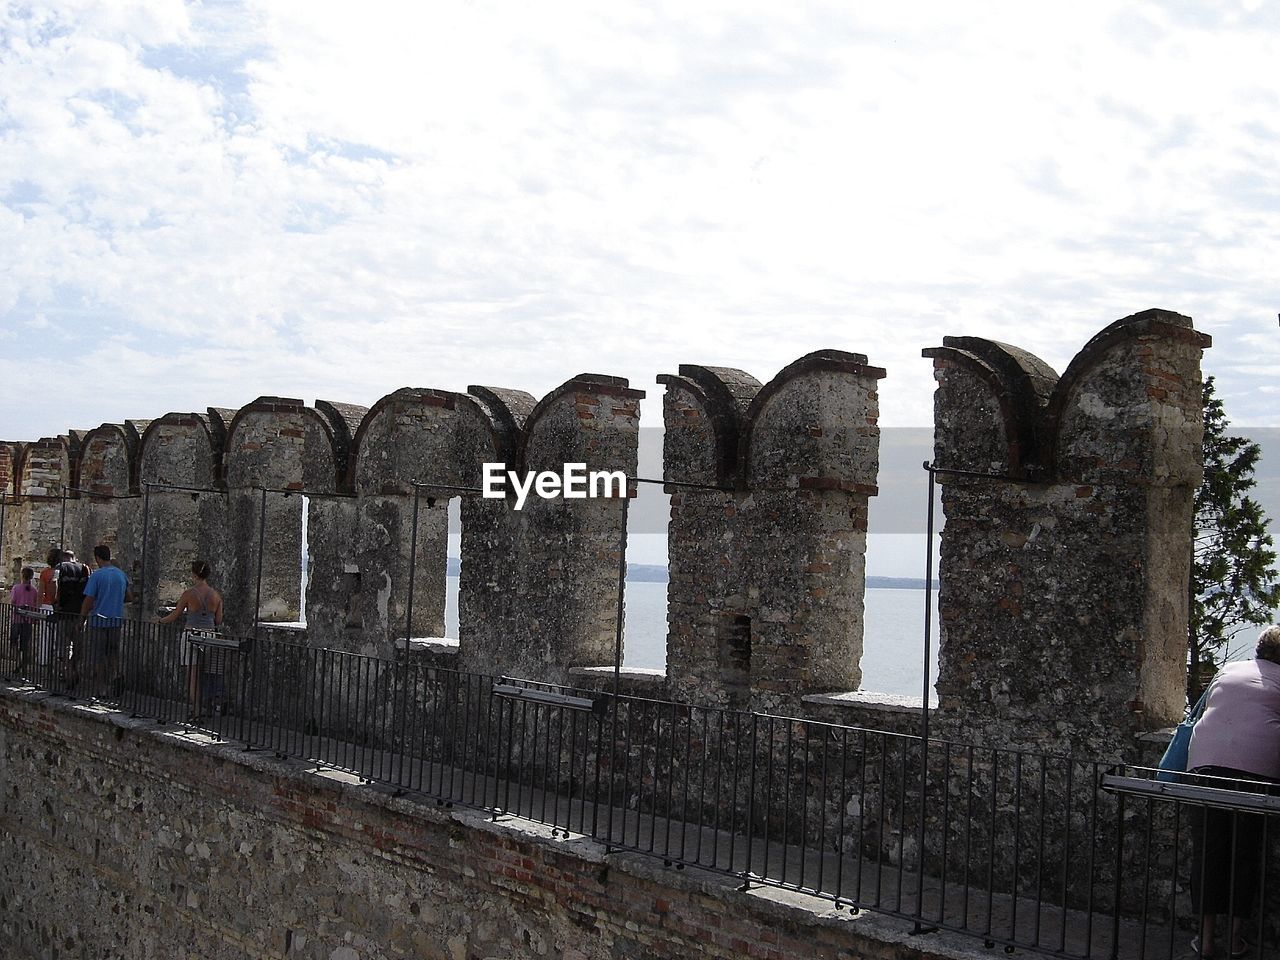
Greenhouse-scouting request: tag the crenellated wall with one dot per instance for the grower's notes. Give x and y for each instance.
(410, 436)
(277, 449)
(1063, 573)
(180, 470)
(106, 507)
(39, 519)
(539, 586)
(767, 572)
(1063, 601)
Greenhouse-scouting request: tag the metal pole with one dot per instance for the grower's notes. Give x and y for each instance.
(142, 577)
(408, 622)
(62, 524)
(933, 471)
(622, 600)
(928, 606)
(4, 502)
(924, 701)
(617, 674)
(413, 567)
(262, 533)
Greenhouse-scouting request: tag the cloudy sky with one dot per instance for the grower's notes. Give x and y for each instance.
(201, 203)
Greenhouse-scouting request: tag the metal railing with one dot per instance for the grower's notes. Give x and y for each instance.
(1020, 849)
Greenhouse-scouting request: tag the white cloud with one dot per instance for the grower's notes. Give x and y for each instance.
(325, 203)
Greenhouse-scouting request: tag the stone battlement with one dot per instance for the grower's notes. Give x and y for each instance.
(1063, 569)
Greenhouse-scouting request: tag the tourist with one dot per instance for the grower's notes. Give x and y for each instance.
(71, 577)
(1237, 738)
(47, 583)
(23, 596)
(202, 606)
(48, 580)
(103, 612)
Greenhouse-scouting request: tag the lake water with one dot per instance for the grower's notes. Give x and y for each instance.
(893, 644)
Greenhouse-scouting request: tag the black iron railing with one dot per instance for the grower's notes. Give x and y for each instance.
(1021, 849)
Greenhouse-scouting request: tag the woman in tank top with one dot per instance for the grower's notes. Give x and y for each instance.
(202, 607)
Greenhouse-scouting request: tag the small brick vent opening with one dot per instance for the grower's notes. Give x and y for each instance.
(733, 651)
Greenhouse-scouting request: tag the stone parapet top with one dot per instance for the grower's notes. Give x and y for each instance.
(642, 674)
(870, 700)
(434, 644)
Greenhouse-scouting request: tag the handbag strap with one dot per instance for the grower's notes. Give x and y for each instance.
(1198, 710)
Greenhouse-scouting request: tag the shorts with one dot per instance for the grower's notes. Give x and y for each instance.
(68, 629)
(192, 649)
(189, 652)
(20, 635)
(104, 644)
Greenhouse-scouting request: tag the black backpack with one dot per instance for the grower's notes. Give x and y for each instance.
(72, 576)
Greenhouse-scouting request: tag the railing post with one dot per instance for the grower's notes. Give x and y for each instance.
(4, 502)
(262, 533)
(924, 704)
(408, 622)
(413, 570)
(146, 522)
(622, 600)
(1119, 870)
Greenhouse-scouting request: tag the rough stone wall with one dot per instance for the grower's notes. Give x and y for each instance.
(767, 574)
(427, 436)
(131, 841)
(1063, 590)
(538, 592)
(333, 582)
(539, 589)
(334, 585)
(8, 460)
(39, 518)
(182, 450)
(283, 446)
(107, 508)
(10, 454)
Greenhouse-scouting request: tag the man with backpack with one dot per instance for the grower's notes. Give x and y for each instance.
(71, 575)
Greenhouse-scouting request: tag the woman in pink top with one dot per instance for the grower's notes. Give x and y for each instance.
(1236, 738)
(23, 596)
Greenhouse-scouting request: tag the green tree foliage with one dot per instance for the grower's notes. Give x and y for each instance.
(1233, 577)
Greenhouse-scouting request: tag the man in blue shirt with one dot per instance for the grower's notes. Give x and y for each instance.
(103, 609)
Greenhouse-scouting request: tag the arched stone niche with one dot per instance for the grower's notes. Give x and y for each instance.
(105, 502)
(414, 435)
(287, 448)
(184, 506)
